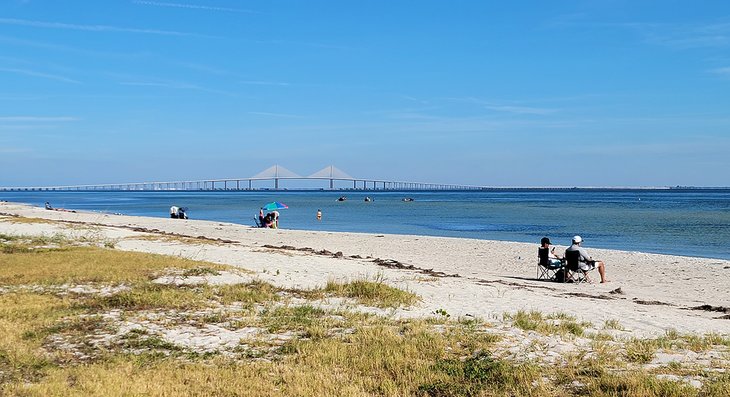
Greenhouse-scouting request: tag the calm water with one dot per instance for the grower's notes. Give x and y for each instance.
(693, 223)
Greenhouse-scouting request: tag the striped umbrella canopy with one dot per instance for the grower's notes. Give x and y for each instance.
(275, 205)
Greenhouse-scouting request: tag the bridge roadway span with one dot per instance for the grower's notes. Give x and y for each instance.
(243, 184)
(270, 179)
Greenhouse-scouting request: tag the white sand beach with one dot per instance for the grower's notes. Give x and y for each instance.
(463, 277)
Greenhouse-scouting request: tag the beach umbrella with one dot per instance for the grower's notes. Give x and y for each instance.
(275, 205)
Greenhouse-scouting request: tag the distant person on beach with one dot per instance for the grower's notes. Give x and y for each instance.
(276, 219)
(181, 214)
(268, 221)
(552, 257)
(319, 215)
(587, 263)
(174, 212)
(261, 216)
(48, 206)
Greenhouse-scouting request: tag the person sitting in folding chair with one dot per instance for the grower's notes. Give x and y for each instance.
(548, 263)
(579, 260)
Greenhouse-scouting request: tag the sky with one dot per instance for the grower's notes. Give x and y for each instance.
(489, 93)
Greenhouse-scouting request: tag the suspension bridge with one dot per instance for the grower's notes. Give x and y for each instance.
(275, 177)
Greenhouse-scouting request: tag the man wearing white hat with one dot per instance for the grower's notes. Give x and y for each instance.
(586, 262)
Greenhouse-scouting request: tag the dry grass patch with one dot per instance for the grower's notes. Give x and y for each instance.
(718, 385)
(613, 324)
(635, 384)
(372, 293)
(80, 265)
(148, 296)
(49, 344)
(387, 360)
(640, 351)
(644, 350)
(13, 244)
(407, 359)
(200, 271)
(176, 239)
(23, 319)
(247, 294)
(25, 220)
(558, 323)
(152, 296)
(292, 318)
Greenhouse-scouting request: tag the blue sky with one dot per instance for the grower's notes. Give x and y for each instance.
(521, 93)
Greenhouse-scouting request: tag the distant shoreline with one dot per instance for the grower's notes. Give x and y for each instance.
(673, 189)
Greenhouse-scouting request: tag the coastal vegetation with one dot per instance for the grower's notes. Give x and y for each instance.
(80, 318)
(375, 293)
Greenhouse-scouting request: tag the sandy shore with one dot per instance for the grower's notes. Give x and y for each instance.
(464, 277)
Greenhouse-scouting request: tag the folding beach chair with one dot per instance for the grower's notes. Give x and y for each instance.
(256, 221)
(574, 273)
(546, 270)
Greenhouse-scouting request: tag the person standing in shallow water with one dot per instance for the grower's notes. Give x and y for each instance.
(319, 215)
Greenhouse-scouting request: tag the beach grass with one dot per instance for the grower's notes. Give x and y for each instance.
(556, 323)
(372, 293)
(85, 265)
(173, 238)
(54, 342)
(26, 220)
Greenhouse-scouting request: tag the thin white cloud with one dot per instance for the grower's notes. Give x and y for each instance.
(62, 48)
(414, 99)
(16, 97)
(724, 72)
(706, 35)
(11, 150)
(27, 127)
(683, 148)
(250, 82)
(194, 6)
(691, 40)
(33, 73)
(520, 109)
(153, 84)
(38, 118)
(281, 115)
(679, 36)
(93, 28)
(204, 68)
(506, 107)
(174, 85)
(308, 44)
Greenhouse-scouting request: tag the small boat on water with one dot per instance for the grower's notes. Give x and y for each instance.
(342, 198)
(368, 199)
(408, 199)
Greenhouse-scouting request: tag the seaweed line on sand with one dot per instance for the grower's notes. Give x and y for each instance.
(389, 263)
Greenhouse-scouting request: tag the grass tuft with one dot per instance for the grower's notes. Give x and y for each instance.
(373, 293)
(613, 324)
(640, 351)
(558, 323)
(80, 265)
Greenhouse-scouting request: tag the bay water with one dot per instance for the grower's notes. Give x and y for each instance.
(677, 222)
